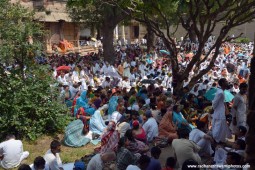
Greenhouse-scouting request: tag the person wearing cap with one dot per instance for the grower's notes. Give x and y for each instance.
(150, 126)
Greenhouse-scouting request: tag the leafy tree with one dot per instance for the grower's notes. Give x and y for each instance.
(199, 18)
(101, 13)
(28, 104)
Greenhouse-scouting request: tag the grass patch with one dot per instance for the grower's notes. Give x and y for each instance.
(42, 144)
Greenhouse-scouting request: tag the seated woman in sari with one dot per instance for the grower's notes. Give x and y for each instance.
(167, 129)
(110, 138)
(178, 119)
(135, 146)
(66, 96)
(96, 123)
(139, 132)
(82, 101)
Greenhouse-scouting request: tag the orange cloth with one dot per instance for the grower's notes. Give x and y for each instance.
(167, 128)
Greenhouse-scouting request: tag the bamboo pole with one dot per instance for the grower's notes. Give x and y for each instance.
(250, 138)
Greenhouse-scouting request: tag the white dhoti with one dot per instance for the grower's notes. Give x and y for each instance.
(220, 130)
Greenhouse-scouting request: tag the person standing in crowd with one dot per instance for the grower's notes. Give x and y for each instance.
(220, 129)
(239, 109)
(11, 152)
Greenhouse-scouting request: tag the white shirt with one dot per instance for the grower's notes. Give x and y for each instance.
(12, 151)
(95, 163)
(151, 128)
(54, 162)
(133, 167)
(115, 116)
(218, 105)
(196, 135)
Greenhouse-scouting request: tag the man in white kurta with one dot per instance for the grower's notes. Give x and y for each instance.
(202, 139)
(239, 109)
(126, 67)
(220, 129)
(11, 153)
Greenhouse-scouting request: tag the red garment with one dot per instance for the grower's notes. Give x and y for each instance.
(141, 136)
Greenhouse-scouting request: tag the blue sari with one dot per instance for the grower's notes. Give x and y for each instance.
(96, 123)
(82, 101)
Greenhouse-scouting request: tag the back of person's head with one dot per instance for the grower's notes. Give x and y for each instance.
(129, 135)
(108, 156)
(243, 85)
(155, 152)
(214, 84)
(24, 167)
(221, 81)
(200, 124)
(233, 158)
(39, 163)
(170, 162)
(144, 161)
(10, 136)
(55, 144)
(242, 130)
(241, 143)
(183, 133)
(190, 164)
(122, 141)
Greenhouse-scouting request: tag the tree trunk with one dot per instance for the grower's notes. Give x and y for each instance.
(250, 138)
(108, 47)
(150, 39)
(99, 35)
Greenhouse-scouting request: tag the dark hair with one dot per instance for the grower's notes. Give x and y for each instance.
(24, 167)
(183, 133)
(10, 136)
(54, 144)
(186, 164)
(241, 143)
(175, 107)
(39, 162)
(200, 124)
(221, 81)
(243, 85)
(129, 135)
(243, 129)
(170, 162)
(144, 159)
(235, 156)
(122, 141)
(155, 151)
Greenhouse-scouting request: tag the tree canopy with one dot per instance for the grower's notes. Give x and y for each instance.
(199, 18)
(28, 105)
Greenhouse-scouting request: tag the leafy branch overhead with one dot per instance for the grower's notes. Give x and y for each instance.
(199, 19)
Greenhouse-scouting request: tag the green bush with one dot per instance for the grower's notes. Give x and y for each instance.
(29, 107)
(242, 40)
